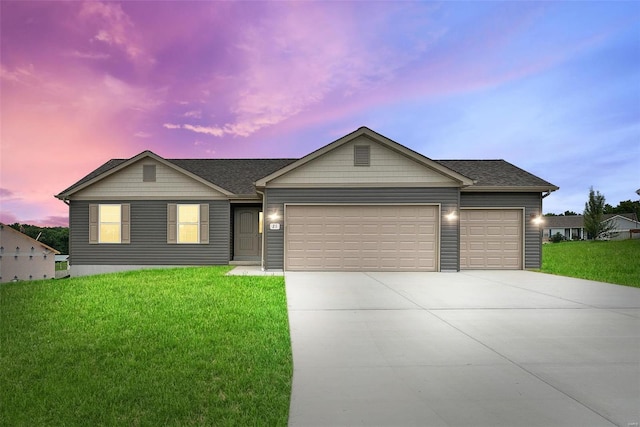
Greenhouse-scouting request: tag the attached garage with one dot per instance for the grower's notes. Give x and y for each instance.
(361, 237)
(491, 239)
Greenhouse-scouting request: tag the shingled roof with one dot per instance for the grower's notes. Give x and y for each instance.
(495, 173)
(577, 221)
(239, 175)
(234, 175)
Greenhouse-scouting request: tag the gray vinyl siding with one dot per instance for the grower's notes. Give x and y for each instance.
(276, 198)
(148, 244)
(532, 204)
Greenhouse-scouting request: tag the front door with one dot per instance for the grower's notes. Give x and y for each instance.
(246, 242)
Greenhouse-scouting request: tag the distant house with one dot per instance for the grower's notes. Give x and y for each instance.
(24, 258)
(571, 227)
(360, 203)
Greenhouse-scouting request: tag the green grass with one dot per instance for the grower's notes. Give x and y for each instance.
(160, 347)
(605, 261)
(62, 265)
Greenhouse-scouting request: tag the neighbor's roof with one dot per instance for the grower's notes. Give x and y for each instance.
(28, 238)
(239, 175)
(577, 221)
(496, 173)
(568, 221)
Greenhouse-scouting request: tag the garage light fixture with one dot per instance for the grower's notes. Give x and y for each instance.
(536, 219)
(451, 216)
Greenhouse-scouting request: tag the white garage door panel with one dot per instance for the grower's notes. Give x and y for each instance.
(389, 238)
(491, 239)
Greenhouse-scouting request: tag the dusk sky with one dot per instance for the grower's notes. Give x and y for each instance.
(552, 87)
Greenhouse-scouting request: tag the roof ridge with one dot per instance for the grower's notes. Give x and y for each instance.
(233, 158)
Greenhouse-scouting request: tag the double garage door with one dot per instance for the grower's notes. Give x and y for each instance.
(397, 238)
(361, 237)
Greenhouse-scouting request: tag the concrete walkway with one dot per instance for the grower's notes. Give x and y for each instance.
(474, 348)
(253, 270)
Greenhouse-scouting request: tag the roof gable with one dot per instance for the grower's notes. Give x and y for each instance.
(626, 219)
(391, 163)
(103, 177)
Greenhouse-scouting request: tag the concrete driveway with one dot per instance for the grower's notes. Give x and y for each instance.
(476, 348)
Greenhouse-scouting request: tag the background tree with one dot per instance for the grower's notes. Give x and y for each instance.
(566, 213)
(594, 223)
(626, 206)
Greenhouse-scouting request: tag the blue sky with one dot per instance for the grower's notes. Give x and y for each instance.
(553, 87)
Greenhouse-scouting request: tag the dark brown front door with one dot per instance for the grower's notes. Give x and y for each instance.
(246, 234)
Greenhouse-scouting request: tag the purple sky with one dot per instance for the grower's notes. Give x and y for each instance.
(551, 87)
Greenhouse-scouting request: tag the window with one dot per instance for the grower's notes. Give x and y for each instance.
(109, 223)
(149, 173)
(110, 217)
(361, 155)
(187, 223)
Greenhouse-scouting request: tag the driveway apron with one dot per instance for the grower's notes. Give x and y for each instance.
(475, 348)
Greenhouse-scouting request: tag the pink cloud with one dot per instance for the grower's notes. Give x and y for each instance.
(115, 28)
(8, 218)
(57, 127)
(5, 193)
(203, 129)
(196, 114)
(289, 66)
(87, 55)
(50, 221)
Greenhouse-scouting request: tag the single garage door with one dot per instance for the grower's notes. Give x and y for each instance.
(361, 237)
(491, 239)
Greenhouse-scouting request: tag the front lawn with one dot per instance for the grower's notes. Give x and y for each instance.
(604, 261)
(159, 347)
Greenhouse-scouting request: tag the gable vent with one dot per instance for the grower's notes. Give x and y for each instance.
(361, 155)
(149, 173)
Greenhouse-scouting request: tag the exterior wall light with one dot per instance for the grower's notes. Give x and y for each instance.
(274, 216)
(451, 216)
(536, 219)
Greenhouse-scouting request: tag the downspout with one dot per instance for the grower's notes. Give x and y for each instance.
(66, 202)
(264, 230)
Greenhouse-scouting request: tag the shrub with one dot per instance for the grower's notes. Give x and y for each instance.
(557, 238)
